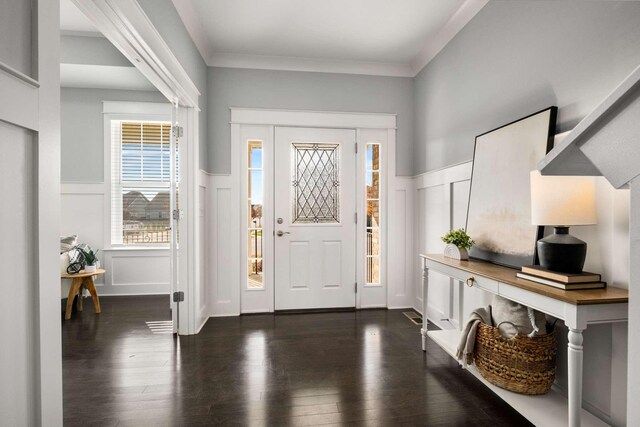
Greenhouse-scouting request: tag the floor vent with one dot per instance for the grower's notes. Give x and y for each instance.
(161, 327)
(414, 317)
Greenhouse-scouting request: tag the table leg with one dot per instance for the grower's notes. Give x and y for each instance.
(80, 297)
(88, 283)
(75, 286)
(425, 294)
(461, 319)
(575, 357)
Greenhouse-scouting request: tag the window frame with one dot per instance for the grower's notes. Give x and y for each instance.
(249, 178)
(381, 227)
(126, 111)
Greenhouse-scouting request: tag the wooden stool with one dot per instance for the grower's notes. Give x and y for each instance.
(81, 281)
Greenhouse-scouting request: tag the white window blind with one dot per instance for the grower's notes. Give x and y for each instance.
(140, 182)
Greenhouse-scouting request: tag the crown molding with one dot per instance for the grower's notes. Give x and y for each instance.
(191, 21)
(457, 22)
(432, 47)
(284, 63)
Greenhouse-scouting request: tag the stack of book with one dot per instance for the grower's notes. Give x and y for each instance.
(566, 281)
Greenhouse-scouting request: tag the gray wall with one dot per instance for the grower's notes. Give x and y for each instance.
(165, 18)
(90, 50)
(82, 129)
(515, 58)
(306, 91)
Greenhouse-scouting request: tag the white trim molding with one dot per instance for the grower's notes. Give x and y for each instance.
(162, 109)
(454, 25)
(319, 119)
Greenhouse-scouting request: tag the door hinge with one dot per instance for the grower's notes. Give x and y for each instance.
(356, 148)
(177, 214)
(178, 296)
(356, 287)
(355, 217)
(177, 131)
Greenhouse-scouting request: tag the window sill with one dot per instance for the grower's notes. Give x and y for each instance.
(135, 248)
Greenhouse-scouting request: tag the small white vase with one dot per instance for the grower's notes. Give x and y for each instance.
(89, 268)
(452, 251)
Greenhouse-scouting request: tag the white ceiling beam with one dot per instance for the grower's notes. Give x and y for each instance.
(126, 25)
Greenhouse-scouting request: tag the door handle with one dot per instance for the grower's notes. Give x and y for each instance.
(281, 233)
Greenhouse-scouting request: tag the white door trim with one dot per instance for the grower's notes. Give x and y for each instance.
(369, 128)
(126, 25)
(314, 119)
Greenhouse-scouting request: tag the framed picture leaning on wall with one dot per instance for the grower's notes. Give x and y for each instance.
(499, 215)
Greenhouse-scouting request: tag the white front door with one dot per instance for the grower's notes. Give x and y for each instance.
(315, 227)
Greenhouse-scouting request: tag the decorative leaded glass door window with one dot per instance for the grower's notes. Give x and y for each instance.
(316, 183)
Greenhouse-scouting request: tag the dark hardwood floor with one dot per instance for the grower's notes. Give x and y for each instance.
(354, 368)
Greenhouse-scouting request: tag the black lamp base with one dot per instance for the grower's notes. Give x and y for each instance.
(562, 252)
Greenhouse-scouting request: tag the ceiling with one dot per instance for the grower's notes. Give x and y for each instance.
(72, 21)
(375, 37)
(355, 36)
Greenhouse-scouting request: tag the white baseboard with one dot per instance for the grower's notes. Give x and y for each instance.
(204, 322)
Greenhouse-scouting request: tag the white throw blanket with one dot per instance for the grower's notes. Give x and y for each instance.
(468, 337)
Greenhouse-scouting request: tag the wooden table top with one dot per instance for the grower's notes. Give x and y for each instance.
(507, 275)
(82, 273)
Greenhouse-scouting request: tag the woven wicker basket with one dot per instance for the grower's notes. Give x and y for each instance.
(521, 364)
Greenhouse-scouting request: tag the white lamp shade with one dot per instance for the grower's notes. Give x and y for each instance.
(562, 200)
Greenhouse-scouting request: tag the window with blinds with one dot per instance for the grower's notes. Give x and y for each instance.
(140, 182)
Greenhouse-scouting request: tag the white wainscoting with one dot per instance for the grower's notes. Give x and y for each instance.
(222, 228)
(442, 198)
(129, 271)
(223, 280)
(202, 301)
(441, 202)
(400, 260)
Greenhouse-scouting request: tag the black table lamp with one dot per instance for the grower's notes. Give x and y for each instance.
(560, 202)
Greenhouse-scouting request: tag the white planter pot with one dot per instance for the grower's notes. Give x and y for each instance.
(452, 251)
(90, 268)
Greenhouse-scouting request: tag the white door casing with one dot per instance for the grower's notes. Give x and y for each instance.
(315, 197)
(124, 23)
(230, 294)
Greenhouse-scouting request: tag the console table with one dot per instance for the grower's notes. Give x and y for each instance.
(578, 309)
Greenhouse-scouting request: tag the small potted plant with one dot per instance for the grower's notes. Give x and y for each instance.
(90, 259)
(458, 243)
